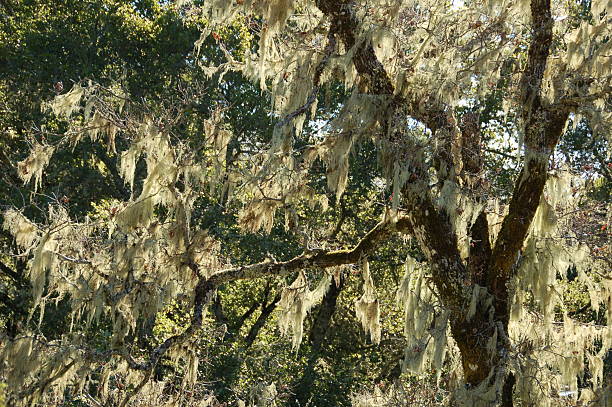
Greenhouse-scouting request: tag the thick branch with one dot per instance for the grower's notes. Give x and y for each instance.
(480, 250)
(247, 314)
(543, 127)
(40, 387)
(433, 230)
(576, 101)
(367, 64)
(319, 258)
(537, 56)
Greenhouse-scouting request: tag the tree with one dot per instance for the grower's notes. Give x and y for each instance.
(434, 86)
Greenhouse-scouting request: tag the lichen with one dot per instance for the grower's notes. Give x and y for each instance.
(295, 303)
(35, 164)
(367, 307)
(426, 343)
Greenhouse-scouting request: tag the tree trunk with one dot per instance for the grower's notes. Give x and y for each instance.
(483, 344)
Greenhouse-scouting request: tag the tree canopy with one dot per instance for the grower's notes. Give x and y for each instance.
(293, 201)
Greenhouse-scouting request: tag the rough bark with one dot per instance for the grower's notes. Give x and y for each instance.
(543, 126)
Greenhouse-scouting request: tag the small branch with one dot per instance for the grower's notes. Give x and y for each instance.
(92, 400)
(343, 214)
(72, 259)
(11, 273)
(202, 296)
(112, 169)
(494, 151)
(266, 310)
(577, 101)
(40, 386)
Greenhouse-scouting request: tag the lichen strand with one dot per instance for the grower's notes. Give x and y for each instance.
(129, 279)
(462, 212)
(409, 59)
(367, 307)
(426, 322)
(67, 104)
(127, 266)
(34, 165)
(59, 366)
(295, 303)
(24, 231)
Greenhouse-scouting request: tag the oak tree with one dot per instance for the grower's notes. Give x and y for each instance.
(436, 87)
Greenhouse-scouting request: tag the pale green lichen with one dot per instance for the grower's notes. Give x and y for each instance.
(295, 303)
(34, 165)
(367, 308)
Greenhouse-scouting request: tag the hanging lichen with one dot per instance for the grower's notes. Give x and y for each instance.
(67, 104)
(462, 211)
(426, 323)
(34, 164)
(566, 344)
(337, 159)
(406, 66)
(295, 303)
(367, 307)
(24, 231)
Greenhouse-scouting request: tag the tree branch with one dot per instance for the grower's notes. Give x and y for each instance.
(319, 258)
(367, 64)
(118, 182)
(266, 311)
(11, 273)
(543, 128)
(438, 241)
(579, 100)
(329, 49)
(480, 250)
(203, 293)
(322, 320)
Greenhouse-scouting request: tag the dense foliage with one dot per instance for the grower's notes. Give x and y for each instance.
(290, 202)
